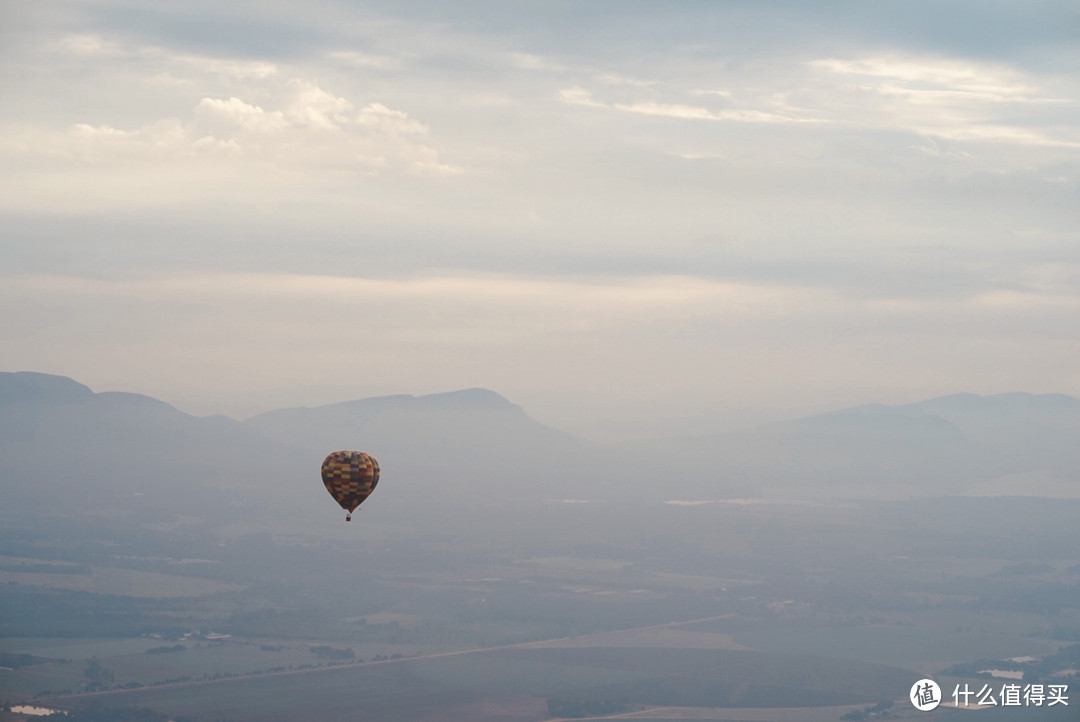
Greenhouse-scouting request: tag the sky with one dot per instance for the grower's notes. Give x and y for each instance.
(624, 216)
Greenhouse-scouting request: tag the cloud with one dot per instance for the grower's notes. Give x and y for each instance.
(661, 306)
(579, 96)
(886, 209)
(977, 80)
(616, 79)
(303, 130)
(690, 112)
(377, 115)
(501, 294)
(234, 115)
(357, 59)
(235, 69)
(675, 340)
(946, 98)
(89, 44)
(679, 111)
(93, 46)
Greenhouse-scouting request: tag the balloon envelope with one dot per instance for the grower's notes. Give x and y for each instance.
(350, 477)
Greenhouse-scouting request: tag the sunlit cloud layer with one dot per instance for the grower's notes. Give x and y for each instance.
(611, 210)
(293, 127)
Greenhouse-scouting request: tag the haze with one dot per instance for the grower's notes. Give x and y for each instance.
(624, 216)
(721, 359)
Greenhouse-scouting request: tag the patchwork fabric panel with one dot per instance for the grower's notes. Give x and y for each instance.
(350, 477)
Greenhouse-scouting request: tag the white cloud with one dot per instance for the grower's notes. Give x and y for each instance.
(948, 99)
(234, 69)
(87, 44)
(668, 110)
(535, 62)
(315, 107)
(726, 94)
(691, 112)
(168, 63)
(310, 130)
(356, 59)
(234, 115)
(681, 111)
(616, 79)
(983, 81)
(579, 96)
(88, 144)
(377, 115)
(944, 98)
(504, 295)
(847, 177)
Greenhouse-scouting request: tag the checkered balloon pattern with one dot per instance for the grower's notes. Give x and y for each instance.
(350, 477)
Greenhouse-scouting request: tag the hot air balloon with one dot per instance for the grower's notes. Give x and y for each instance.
(350, 477)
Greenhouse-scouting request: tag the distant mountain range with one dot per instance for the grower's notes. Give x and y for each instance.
(474, 437)
(1014, 444)
(66, 448)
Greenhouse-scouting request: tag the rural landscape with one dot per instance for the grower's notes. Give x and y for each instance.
(195, 568)
(537, 361)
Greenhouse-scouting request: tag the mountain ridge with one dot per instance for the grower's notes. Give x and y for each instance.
(131, 451)
(33, 385)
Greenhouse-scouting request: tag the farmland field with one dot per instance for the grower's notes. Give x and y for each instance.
(634, 678)
(127, 582)
(427, 628)
(916, 648)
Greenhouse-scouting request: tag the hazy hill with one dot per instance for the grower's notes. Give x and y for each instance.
(1007, 444)
(441, 444)
(1023, 429)
(65, 447)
